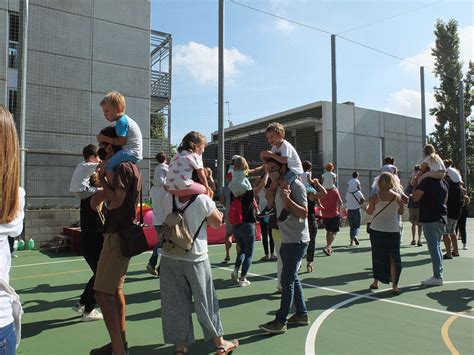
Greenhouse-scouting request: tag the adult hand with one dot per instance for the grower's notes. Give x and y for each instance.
(264, 154)
(100, 138)
(285, 194)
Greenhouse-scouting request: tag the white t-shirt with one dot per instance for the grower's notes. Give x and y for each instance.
(157, 195)
(353, 185)
(328, 180)
(288, 151)
(453, 174)
(201, 208)
(434, 162)
(181, 168)
(159, 177)
(80, 178)
(305, 176)
(12, 229)
(352, 200)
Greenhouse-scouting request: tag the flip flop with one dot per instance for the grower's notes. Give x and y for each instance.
(228, 348)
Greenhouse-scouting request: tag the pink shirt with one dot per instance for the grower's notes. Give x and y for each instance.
(330, 204)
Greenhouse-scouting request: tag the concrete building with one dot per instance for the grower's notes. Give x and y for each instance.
(78, 50)
(364, 137)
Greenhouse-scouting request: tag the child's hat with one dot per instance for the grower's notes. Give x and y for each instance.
(235, 157)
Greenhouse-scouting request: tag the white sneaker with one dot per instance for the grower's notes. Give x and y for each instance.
(93, 315)
(78, 308)
(464, 247)
(234, 275)
(244, 282)
(432, 281)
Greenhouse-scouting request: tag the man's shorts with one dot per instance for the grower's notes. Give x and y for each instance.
(451, 226)
(112, 266)
(414, 215)
(332, 224)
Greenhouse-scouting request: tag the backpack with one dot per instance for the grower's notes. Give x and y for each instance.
(235, 211)
(175, 237)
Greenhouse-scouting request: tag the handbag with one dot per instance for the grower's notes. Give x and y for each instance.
(132, 238)
(368, 230)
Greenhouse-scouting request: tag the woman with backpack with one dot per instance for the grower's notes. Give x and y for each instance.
(242, 217)
(186, 283)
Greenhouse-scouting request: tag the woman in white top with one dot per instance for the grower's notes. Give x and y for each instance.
(385, 207)
(12, 203)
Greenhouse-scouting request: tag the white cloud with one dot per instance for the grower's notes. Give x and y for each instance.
(466, 37)
(408, 102)
(278, 7)
(201, 62)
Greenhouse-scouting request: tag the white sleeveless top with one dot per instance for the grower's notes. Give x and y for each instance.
(387, 220)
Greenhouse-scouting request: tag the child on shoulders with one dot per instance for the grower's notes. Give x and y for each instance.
(283, 152)
(329, 177)
(353, 185)
(128, 132)
(179, 179)
(432, 166)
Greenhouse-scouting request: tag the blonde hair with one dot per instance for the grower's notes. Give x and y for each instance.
(277, 128)
(387, 181)
(429, 149)
(114, 99)
(241, 164)
(329, 166)
(10, 172)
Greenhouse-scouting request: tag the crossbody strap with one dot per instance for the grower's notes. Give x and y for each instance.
(197, 232)
(353, 194)
(393, 199)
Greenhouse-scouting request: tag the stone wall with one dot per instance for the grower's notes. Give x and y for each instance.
(43, 225)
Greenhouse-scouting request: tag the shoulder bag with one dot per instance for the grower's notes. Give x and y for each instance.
(132, 238)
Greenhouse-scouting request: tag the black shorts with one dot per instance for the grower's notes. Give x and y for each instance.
(332, 224)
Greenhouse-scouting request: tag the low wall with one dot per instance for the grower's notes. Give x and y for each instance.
(43, 225)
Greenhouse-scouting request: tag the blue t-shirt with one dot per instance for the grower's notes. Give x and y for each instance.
(432, 203)
(127, 127)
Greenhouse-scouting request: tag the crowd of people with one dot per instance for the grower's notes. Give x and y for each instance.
(281, 194)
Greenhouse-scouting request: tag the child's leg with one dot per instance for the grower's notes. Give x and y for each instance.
(195, 189)
(115, 161)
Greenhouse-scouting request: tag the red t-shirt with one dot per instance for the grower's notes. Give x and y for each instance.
(329, 203)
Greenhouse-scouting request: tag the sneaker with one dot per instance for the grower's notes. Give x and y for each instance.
(244, 282)
(234, 275)
(91, 316)
(464, 247)
(266, 212)
(107, 350)
(413, 242)
(151, 270)
(432, 281)
(420, 244)
(447, 257)
(284, 214)
(274, 327)
(298, 320)
(78, 308)
(356, 241)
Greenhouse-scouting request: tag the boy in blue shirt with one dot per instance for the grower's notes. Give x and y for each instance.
(129, 136)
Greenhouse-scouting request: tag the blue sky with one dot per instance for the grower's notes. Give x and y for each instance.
(272, 65)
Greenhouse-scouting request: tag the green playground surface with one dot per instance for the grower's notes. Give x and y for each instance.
(345, 316)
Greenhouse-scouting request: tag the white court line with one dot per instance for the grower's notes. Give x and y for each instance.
(313, 331)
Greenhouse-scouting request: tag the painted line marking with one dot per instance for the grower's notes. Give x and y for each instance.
(445, 333)
(313, 331)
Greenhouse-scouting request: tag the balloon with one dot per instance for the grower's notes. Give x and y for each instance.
(148, 217)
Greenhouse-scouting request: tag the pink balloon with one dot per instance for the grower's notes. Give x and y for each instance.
(148, 217)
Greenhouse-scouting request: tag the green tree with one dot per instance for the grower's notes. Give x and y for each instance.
(157, 125)
(448, 69)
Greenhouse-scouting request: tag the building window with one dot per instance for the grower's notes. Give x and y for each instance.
(13, 39)
(12, 101)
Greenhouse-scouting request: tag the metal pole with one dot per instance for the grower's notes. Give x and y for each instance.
(423, 107)
(462, 129)
(22, 70)
(334, 105)
(220, 147)
(170, 66)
